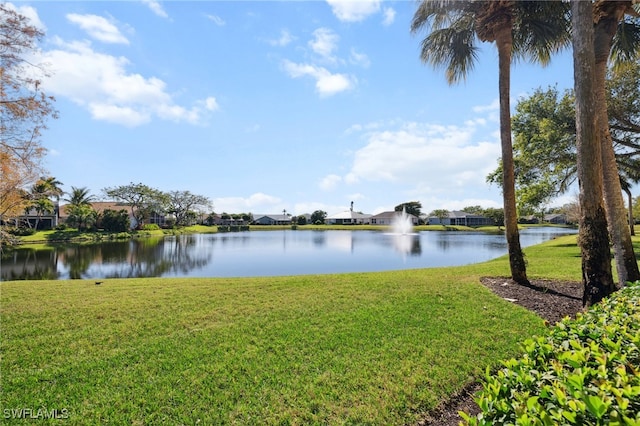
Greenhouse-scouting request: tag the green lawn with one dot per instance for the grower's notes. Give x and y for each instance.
(374, 348)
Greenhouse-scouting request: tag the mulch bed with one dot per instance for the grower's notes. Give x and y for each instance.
(551, 300)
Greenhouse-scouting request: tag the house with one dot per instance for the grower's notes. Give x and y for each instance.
(349, 217)
(556, 218)
(387, 218)
(462, 218)
(31, 218)
(99, 207)
(529, 220)
(272, 219)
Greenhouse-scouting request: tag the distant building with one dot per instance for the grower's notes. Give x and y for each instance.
(99, 207)
(462, 218)
(44, 221)
(349, 217)
(556, 218)
(387, 218)
(272, 219)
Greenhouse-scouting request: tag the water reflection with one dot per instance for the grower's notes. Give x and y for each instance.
(407, 244)
(260, 253)
(29, 264)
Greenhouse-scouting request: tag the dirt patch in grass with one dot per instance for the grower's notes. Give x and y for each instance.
(551, 300)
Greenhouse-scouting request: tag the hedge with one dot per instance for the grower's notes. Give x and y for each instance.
(583, 372)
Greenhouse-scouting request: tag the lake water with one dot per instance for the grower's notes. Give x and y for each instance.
(262, 253)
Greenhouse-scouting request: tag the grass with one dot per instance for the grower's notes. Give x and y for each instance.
(373, 348)
(74, 235)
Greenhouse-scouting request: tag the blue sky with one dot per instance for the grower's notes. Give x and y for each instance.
(266, 105)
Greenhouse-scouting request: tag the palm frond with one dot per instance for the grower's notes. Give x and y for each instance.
(437, 14)
(453, 49)
(451, 32)
(626, 41)
(541, 28)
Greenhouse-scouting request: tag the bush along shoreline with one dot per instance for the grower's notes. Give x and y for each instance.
(583, 372)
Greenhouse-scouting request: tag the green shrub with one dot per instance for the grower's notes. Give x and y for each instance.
(150, 227)
(21, 232)
(115, 221)
(583, 372)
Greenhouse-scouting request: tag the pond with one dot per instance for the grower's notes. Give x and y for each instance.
(262, 253)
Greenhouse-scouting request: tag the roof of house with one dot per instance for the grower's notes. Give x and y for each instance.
(98, 206)
(276, 217)
(460, 214)
(349, 214)
(389, 215)
(553, 216)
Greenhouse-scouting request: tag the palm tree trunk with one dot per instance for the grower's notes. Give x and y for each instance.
(517, 263)
(632, 230)
(625, 259)
(593, 238)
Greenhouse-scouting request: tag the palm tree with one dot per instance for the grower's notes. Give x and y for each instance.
(79, 196)
(51, 186)
(625, 184)
(594, 238)
(40, 197)
(80, 212)
(612, 31)
(42, 206)
(527, 29)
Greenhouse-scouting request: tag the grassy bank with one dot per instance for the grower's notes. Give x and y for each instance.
(374, 348)
(73, 235)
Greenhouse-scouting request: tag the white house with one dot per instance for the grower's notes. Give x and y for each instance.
(349, 217)
(387, 218)
(462, 218)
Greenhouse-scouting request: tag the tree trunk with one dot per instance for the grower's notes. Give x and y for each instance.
(593, 238)
(625, 259)
(632, 230)
(517, 263)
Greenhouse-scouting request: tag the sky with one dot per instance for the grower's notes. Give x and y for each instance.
(266, 106)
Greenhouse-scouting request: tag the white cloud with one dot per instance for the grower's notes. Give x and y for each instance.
(284, 39)
(211, 104)
(389, 16)
(493, 106)
(324, 43)
(177, 113)
(435, 159)
(102, 84)
(156, 8)
(354, 10)
(98, 28)
(310, 207)
(125, 116)
(216, 20)
(256, 203)
(329, 182)
(359, 59)
(476, 122)
(327, 84)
